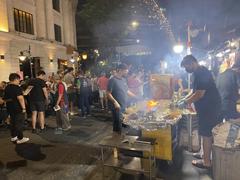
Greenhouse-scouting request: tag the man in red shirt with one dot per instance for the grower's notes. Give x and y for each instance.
(61, 106)
(102, 86)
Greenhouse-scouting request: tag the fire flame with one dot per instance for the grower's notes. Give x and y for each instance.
(152, 103)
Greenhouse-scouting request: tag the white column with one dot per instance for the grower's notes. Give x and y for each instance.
(66, 22)
(10, 16)
(41, 19)
(74, 31)
(71, 14)
(74, 5)
(49, 20)
(3, 16)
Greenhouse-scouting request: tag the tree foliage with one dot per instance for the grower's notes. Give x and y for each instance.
(107, 20)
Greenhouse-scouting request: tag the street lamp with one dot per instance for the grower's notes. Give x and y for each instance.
(23, 57)
(72, 60)
(178, 48)
(135, 24)
(84, 56)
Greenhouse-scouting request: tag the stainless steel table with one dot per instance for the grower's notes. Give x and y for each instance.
(122, 162)
(190, 124)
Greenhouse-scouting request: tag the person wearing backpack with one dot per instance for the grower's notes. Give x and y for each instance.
(61, 106)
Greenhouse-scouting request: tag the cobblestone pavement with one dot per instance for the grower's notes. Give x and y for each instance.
(74, 155)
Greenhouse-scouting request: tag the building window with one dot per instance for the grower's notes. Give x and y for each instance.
(58, 33)
(23, 21)
(56, 5)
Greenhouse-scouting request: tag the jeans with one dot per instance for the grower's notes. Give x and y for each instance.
(78, 101)
(84, 102)
(16, 125)
(62, 119)
(117, 120)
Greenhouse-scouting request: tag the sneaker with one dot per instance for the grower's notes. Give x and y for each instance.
(42, 130)
(14, 139)
(66, 129)
(34, 131)
(23, 140)
(71, 113)
(58, 131)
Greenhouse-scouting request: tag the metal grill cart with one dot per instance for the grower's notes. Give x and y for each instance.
(127, 162)
(155, 120)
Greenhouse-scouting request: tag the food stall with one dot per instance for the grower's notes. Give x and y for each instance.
(158, 117)
(155, 119)
(158, 121)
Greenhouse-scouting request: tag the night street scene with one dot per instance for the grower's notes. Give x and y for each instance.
(119, 89)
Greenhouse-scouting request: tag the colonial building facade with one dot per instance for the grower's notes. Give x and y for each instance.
(46, 26)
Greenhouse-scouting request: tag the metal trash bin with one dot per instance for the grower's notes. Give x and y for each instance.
(226, 163)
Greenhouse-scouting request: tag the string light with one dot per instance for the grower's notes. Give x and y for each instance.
(157, 13)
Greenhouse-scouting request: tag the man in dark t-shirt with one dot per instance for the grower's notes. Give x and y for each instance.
(16, 108)
(117, 93)
(38, 99)
(207, 101)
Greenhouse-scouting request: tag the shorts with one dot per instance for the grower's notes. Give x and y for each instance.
(38, 106)
(71, 97)
(207, 121)
(102, 93)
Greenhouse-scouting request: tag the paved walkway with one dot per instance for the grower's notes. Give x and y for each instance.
(74, 155)
(46, 156)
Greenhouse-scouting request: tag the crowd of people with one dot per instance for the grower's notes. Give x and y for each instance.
(215, 98)
(64, 94)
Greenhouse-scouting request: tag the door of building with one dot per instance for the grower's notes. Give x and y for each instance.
(30, 70)
(62, 64)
